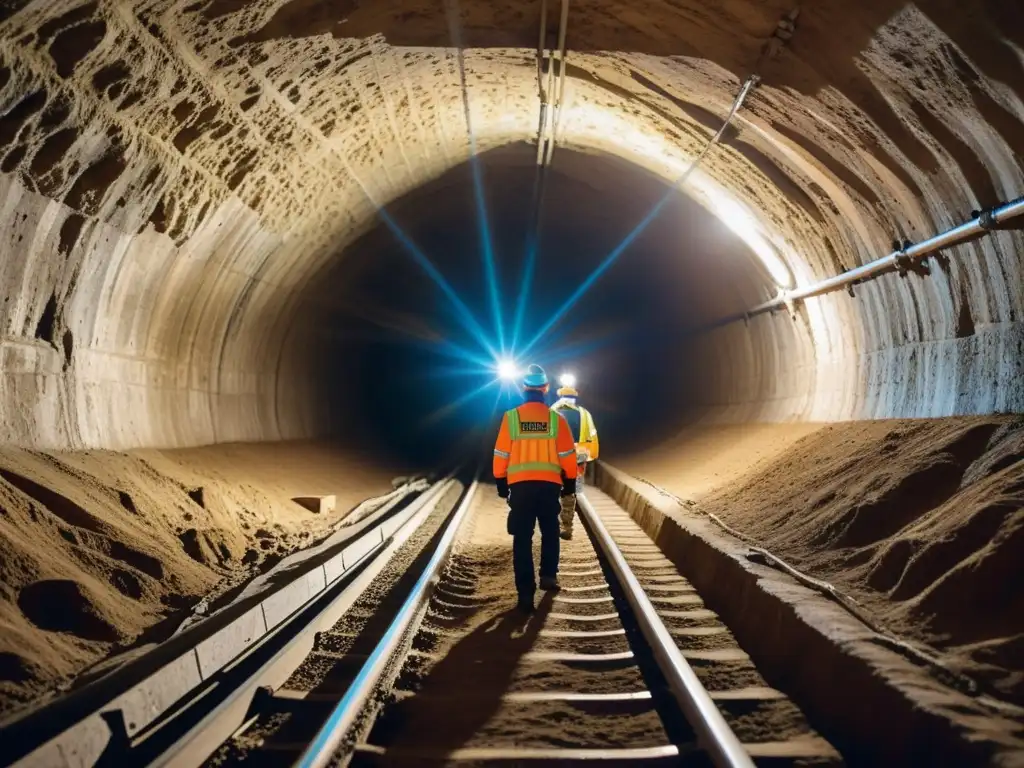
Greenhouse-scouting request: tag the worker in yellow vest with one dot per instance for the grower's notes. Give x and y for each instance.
(534, 464)
(584, 433)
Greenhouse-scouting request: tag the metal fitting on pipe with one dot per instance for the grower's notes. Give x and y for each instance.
(899, 259)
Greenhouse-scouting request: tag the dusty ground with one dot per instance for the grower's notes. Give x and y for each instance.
(922, 521)
(100, 550)
(472, 625)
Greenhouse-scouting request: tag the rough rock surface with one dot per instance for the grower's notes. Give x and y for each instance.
(176, 175)
(179, 176)
(920, 521)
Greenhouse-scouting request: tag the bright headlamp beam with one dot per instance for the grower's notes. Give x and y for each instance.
(507, 370)
(453, 406)
(748, 84)
(466, 316)
(453, 14)
(567, 380)
(532, 244)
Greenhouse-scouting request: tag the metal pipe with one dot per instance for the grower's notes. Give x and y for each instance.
(744, 91)
(713, 734)
(542, 141)
(541, 39)
(332, 734)
(982, 224)
(563, 27)
(540, 80)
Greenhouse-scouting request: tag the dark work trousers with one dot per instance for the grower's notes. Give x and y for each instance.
(533, 502)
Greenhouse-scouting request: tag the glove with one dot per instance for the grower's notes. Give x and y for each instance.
(568, 487)
(502, 483)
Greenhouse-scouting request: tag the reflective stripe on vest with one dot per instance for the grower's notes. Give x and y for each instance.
(516, 433)
(534, 466)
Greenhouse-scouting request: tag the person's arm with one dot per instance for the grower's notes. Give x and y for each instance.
(502, 454)
(594, 446)
(566, 448)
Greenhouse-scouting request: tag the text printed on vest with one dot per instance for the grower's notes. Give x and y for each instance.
(533, 426)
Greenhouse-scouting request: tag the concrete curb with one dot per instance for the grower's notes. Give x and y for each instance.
(872, 703)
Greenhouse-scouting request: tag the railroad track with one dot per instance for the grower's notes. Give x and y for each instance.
(176, 703)
(623, 666)
(421, 659)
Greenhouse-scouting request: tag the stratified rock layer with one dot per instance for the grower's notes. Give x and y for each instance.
(176, 175)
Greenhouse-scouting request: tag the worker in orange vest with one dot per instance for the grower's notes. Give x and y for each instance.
(534, 464)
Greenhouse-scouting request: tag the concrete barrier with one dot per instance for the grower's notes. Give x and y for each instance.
(873, 704)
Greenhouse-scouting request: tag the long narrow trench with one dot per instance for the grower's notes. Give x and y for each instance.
(484, 684)
(482, 681)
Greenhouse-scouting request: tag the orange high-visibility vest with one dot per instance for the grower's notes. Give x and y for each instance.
(534, 443)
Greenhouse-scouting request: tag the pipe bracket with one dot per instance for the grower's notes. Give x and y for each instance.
(901, 261)
(989, 219)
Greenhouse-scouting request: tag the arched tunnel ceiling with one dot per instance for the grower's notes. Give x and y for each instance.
(178, 173)
(624, 337)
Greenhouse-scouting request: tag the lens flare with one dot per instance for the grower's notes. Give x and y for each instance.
(567, 380)
(507, 370)
(453, 15)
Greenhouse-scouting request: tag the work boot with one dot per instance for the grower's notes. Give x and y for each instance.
(565, 535)
(550, 584)
(525, 604)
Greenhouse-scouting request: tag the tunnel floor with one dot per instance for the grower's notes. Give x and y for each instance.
(102, 552)
(922, 522)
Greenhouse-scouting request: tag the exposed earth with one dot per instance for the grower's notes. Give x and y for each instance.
(102, 550)
(920, 521)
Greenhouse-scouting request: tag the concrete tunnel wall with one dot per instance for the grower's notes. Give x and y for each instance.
(175, 177)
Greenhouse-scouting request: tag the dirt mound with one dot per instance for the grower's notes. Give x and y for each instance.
(921, 521)
(102, 550)
(60, 605)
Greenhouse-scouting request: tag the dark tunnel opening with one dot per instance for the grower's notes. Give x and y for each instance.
(388, 370)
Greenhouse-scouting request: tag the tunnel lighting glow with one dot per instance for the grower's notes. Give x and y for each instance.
(746, 226)
(567, 380)
(452, 15)
(469, 322)
(507, 370)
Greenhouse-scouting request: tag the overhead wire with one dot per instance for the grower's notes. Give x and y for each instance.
(749, 84)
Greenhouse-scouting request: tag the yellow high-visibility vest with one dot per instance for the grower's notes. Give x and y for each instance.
(588, 447)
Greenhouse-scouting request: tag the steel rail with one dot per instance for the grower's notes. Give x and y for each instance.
(146, 695)
(346, 714)
(208, 733)
(713, 734)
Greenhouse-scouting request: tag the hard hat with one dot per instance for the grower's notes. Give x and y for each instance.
(535, 378)
(568, 392)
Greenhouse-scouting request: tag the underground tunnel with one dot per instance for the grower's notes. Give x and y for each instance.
(270, 249)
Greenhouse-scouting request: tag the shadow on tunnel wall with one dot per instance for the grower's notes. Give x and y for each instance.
(402, 370)
(816, 59)
(732, 37)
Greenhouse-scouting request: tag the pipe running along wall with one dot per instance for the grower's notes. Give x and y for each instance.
(190, 190)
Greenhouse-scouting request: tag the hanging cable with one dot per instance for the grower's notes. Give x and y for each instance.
(550, 96)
